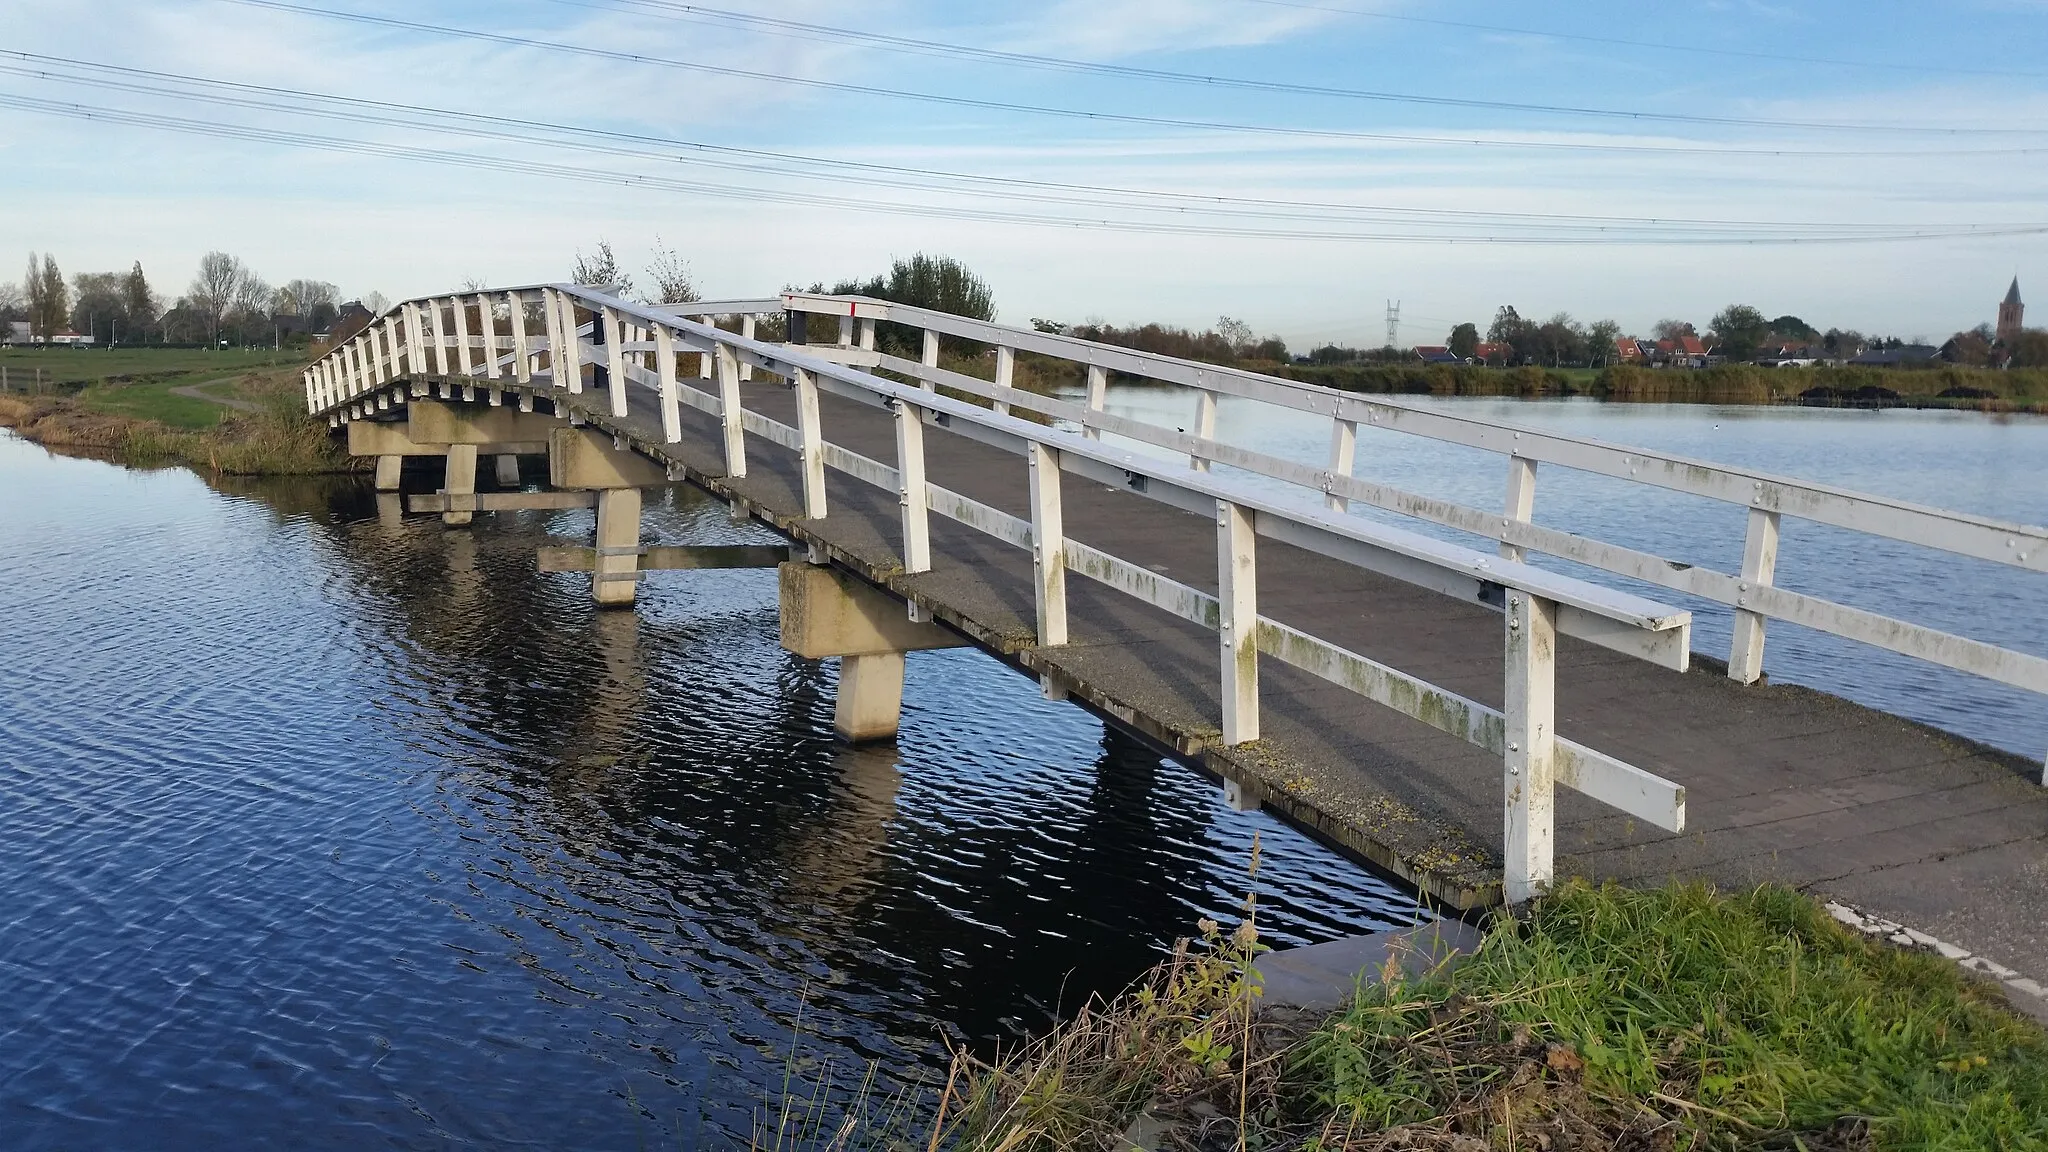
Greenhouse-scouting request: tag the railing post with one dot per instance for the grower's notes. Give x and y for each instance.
(1205, 426)
(910, 484)
(730, 413)
(464, 362)
(1759, 568)
(352, 355)
(1531, 736)
(1048, 545)
(376, 354)
(522, 368)
(438, 332)
(928, 355)
(1237, 621)
(1098, 396)
(846, 330)
(810, 444)
(1343, 454)
(390, 323)
(747, 331)
(1521, 503)
(613, 334)
(665, 368)
(572, 343)
(551, 317)
(867, 334)
(1006, 371)
(488, 322)
(415, 340)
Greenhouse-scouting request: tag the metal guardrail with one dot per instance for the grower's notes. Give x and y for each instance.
(633, 345)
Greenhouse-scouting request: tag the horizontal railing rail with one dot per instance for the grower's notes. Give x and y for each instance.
(1750, 593)
(543, 347)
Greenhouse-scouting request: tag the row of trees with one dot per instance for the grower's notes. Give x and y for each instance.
(226, 300)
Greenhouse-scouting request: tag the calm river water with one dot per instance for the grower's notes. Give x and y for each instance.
(321, 834)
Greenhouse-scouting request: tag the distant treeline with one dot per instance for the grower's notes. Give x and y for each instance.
(2016, 389)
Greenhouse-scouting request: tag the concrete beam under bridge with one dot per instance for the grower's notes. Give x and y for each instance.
(827, 613)
(389, 438)
(435, 422)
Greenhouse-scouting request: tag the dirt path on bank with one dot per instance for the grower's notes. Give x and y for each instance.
(198, 392)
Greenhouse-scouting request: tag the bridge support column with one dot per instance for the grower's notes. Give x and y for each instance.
(387, 472)
(460, 480)
(827, 613)
(508, 470)
(870, 702)
(586, 459)
(615, 580)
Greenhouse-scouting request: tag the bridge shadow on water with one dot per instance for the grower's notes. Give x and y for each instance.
(649, 809)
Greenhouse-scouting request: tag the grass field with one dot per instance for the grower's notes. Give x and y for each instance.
(137, 382)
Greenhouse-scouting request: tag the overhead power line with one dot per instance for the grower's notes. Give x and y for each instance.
(1652, 45)
(1109, 117)
(1832, 153)
(774, 26)
(1179, 205)
(607, 175)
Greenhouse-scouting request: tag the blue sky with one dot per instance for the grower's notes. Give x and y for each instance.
(1301, 212)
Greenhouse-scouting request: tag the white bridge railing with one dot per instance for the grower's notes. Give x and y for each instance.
(1750, 592)
(587, 350)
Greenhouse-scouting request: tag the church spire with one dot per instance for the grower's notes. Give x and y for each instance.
(2012, 294)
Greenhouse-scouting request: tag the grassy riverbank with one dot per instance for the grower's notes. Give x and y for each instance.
(128, 406)
(1608, 1018)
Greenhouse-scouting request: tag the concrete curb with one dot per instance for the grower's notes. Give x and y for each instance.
(2026, 995)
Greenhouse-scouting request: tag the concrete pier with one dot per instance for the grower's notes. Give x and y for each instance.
(827, 613)
(460, 480)
(616, 577)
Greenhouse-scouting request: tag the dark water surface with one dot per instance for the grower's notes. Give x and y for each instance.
(317, 833)
(1994, 466)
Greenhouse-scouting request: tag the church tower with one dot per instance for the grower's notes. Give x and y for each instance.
(2009, 312)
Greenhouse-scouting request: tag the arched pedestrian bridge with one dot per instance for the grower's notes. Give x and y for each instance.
(1454, 716)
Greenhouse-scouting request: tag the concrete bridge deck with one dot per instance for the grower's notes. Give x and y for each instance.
(1783, 783)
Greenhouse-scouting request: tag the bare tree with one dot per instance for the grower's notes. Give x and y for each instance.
(1672, 329)
(376, 302)
(673, 283)
(221, 281)
(303, 297)
(11, 299)
(601, 270)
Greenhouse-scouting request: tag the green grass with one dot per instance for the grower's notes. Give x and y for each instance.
(136, 382)
(81, 365)
(1677, 1018)
(1742, 1020)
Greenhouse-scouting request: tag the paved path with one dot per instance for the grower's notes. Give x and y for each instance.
(198, 392)
(1784, 783)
